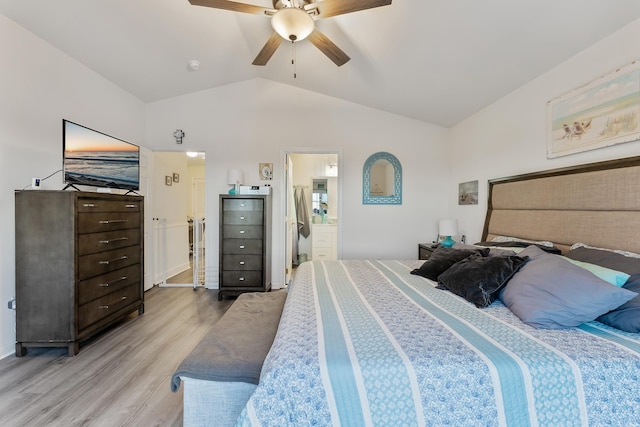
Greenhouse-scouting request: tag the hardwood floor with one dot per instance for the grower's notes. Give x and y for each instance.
(119, 378)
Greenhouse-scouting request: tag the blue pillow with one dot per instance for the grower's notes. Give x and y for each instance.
(551, 293)
(616, 278)
(627, 316)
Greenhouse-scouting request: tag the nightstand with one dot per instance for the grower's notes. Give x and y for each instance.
(425, 250)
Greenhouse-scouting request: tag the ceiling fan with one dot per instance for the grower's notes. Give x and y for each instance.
(294, 20)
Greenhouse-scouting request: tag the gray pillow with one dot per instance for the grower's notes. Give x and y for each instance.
(442, 258)
(551, 293)
(492, 251)
(479, 279)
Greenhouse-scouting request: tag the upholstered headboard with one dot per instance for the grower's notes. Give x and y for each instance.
(597, 204)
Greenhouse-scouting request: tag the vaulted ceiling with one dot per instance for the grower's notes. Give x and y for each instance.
(436, 61)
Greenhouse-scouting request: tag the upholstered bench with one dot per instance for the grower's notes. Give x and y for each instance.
(222, 371)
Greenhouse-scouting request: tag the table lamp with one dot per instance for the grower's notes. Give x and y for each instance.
(235, 177)
(447, 228)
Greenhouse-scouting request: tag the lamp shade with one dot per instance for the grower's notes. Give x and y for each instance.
(447, 227)
(292, 24)
(235, 176)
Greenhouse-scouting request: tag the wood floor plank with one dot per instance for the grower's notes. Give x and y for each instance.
(119, 378)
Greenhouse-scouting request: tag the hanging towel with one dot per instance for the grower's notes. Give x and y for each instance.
(302, 215)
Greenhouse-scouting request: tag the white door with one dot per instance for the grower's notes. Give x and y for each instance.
(290, 219)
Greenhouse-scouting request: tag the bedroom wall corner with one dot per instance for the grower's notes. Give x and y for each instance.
(508, 137)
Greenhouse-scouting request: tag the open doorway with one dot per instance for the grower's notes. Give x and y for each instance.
(178, 219)
(312, 205)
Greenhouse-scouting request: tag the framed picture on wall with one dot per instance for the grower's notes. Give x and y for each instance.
(266, 171)
(604, 112)
(468, 193)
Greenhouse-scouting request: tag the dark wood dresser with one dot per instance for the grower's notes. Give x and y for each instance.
(79, 265)
(245, 244)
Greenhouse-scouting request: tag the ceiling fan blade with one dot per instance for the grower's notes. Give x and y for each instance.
(232, 5)
(327, 8)
(328, 47)
(268, 49)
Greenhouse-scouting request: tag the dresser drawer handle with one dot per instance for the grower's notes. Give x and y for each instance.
(241, 279)
(106, 307)
(241, 231)
(242, 205)
(119, 239)
(107, 284)
(90, 205)
(111, 221)
(241, 262)
(130, 206)
(122, 258)
(242, 218)
(241, 246)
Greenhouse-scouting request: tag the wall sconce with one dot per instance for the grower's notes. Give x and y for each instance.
(178, 135)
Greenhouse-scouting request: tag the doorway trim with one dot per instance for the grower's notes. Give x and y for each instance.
(283, 195)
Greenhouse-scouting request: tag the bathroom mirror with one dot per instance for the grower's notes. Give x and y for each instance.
(382, 180)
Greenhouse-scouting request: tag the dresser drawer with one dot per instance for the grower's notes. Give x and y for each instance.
(99, 286)
(96, 205)
(242, 232)
(240, 218)
(99, 242)
(104, 262)
(242, 246)
(241, 278)
(242, 205)
(242, 262)
(107, 221)
(100, 308)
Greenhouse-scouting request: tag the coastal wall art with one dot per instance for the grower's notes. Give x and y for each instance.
(604, 112)
(468, 193)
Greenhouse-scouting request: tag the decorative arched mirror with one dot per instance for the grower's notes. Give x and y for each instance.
(382, 180)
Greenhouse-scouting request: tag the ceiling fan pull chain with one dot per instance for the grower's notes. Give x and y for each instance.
(293, 58)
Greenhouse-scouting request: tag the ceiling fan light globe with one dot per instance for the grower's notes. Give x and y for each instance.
(292, 24)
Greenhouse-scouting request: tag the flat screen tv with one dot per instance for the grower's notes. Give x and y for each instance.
(99, 160)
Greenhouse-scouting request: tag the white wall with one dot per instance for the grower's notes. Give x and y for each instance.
(243, 124)
(509, 137)
(40, 86)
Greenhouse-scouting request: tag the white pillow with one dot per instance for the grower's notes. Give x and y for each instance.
(617, 251)
(516, 239)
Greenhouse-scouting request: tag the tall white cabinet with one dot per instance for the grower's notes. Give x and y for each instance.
(324, 242)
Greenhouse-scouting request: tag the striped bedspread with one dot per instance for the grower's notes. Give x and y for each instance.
(366, 343)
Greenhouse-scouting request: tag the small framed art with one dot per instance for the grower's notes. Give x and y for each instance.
(468, 193)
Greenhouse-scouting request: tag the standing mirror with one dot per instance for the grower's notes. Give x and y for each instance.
(382, 180)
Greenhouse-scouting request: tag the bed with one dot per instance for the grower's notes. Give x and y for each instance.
(392, 342)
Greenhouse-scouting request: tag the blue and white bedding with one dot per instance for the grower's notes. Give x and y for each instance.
(367, 343)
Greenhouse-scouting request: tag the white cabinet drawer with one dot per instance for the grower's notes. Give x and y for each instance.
(322, 240)
(320, 254)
